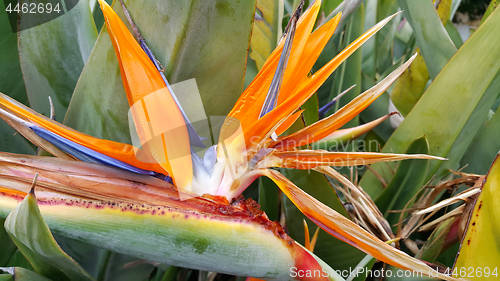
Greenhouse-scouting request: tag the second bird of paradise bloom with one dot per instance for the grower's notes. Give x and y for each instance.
(159, 201)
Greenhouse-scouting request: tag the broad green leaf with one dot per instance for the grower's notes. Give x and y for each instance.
(53, 55)
(19, 260)
(126, 268)
(459, 98)
(330, 51)
(346, 7)
(406, 182)
(97, 14)
(92, 259)
(432, 39)
(250, 72)
(266, 30)
(493, 5)
(22, 274)
(481, 153)
(375, 110)
(11, 84)
(369, 59)
(349, 73)
(385, 36)
(311, 110)
(7, 247)
(410, 86)
(327, 6)
(454, 34)
(171, 275)
(205, 40)
(269, 198)
(32, 236)
(327, 246)
(454, 8)
(481, 243)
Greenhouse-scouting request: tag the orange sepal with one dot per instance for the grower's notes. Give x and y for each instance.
(140, 76)
(158, 120)
(310, 159)
(117, 150)
(325, 127)
(248, 106)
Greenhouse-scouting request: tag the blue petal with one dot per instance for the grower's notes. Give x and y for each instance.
(274, 89)
(326, 107)
(86, 154)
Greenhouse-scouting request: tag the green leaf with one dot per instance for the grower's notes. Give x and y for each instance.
(170, 275)
(369, 59)
(410, 86)
(350, 70)
(328, 6)
(205, 40)
(105, 265)
(432, 38)
(454, 34)
(385, 37)
(269, 198)
(480, 154)
(481, 243)
(98, 15)
(407, 181)
(311, 110)
(375, 110)
(11, 84)
(126, 268)
(92, 259)
(454, 106)
(19, 260)
(53, 54)
(327, 246)
(22, 274)
(32, 236)
(493, 5)
(7, 247)
(266, 30)
(6, 277)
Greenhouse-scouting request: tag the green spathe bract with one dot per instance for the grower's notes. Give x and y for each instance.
(166, 235)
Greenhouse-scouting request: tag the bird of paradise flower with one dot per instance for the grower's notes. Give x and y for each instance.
(162, 202)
